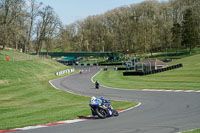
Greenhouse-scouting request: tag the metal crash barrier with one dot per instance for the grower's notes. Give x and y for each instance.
(65, 71)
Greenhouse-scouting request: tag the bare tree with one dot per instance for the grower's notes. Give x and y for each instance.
(46, 27)
(33, 12)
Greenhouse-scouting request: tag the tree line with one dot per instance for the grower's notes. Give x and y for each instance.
(146, 27)
(27, 25)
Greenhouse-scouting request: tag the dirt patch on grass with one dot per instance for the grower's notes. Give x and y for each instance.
(2, 82)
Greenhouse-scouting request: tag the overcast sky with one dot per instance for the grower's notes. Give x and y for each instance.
(72, 10)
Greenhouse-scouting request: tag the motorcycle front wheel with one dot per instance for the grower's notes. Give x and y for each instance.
(115, 113)
(101, 113)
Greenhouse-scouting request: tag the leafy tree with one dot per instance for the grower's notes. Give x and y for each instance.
(189, 30)
(176, 36)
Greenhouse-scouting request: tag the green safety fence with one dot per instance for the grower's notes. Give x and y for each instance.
(112, 55)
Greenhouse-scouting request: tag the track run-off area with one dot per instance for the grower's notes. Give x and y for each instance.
(160, 111)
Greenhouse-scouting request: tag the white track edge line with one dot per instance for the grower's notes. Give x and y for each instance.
(152, 90)
(139, 103)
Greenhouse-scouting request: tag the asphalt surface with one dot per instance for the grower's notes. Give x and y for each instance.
(159, 112)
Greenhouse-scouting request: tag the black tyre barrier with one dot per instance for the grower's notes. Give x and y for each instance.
(88, 64)
(177, 65)
(164, 69)
(151, 72)
(111, 64)
(105, 69)
(170, 68)
(124, 68)
(180, 65)
(94, 64)
(82, 64)
(121, 68)
(133, 73)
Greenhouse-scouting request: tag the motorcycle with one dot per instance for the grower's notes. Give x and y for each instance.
(102, 108)
(97, 85)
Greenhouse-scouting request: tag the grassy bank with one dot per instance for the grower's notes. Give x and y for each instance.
(193, 131)
(172, 54)
(185, 78)
(27, 98)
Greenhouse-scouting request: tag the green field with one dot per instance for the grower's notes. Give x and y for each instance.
(27, 98)
(173, 54)
(193, 131)
(185, 78)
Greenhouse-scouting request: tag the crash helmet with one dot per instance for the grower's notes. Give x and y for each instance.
(93, 98)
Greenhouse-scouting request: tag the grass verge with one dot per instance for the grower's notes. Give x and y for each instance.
(185, 78)
(193, 131)
(27, 98)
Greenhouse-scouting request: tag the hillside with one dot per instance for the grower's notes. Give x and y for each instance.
(27, 98)
(25, 94)
(22, 66)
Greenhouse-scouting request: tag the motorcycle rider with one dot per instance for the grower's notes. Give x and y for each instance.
(97, 84)
(93, 99)
(103, 104)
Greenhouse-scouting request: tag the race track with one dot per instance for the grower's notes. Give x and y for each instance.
(159, 112)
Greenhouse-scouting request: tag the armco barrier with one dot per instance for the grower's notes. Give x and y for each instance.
(153, 71)
(64, 71)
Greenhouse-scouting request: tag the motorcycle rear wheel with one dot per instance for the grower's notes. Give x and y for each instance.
(101, 113)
